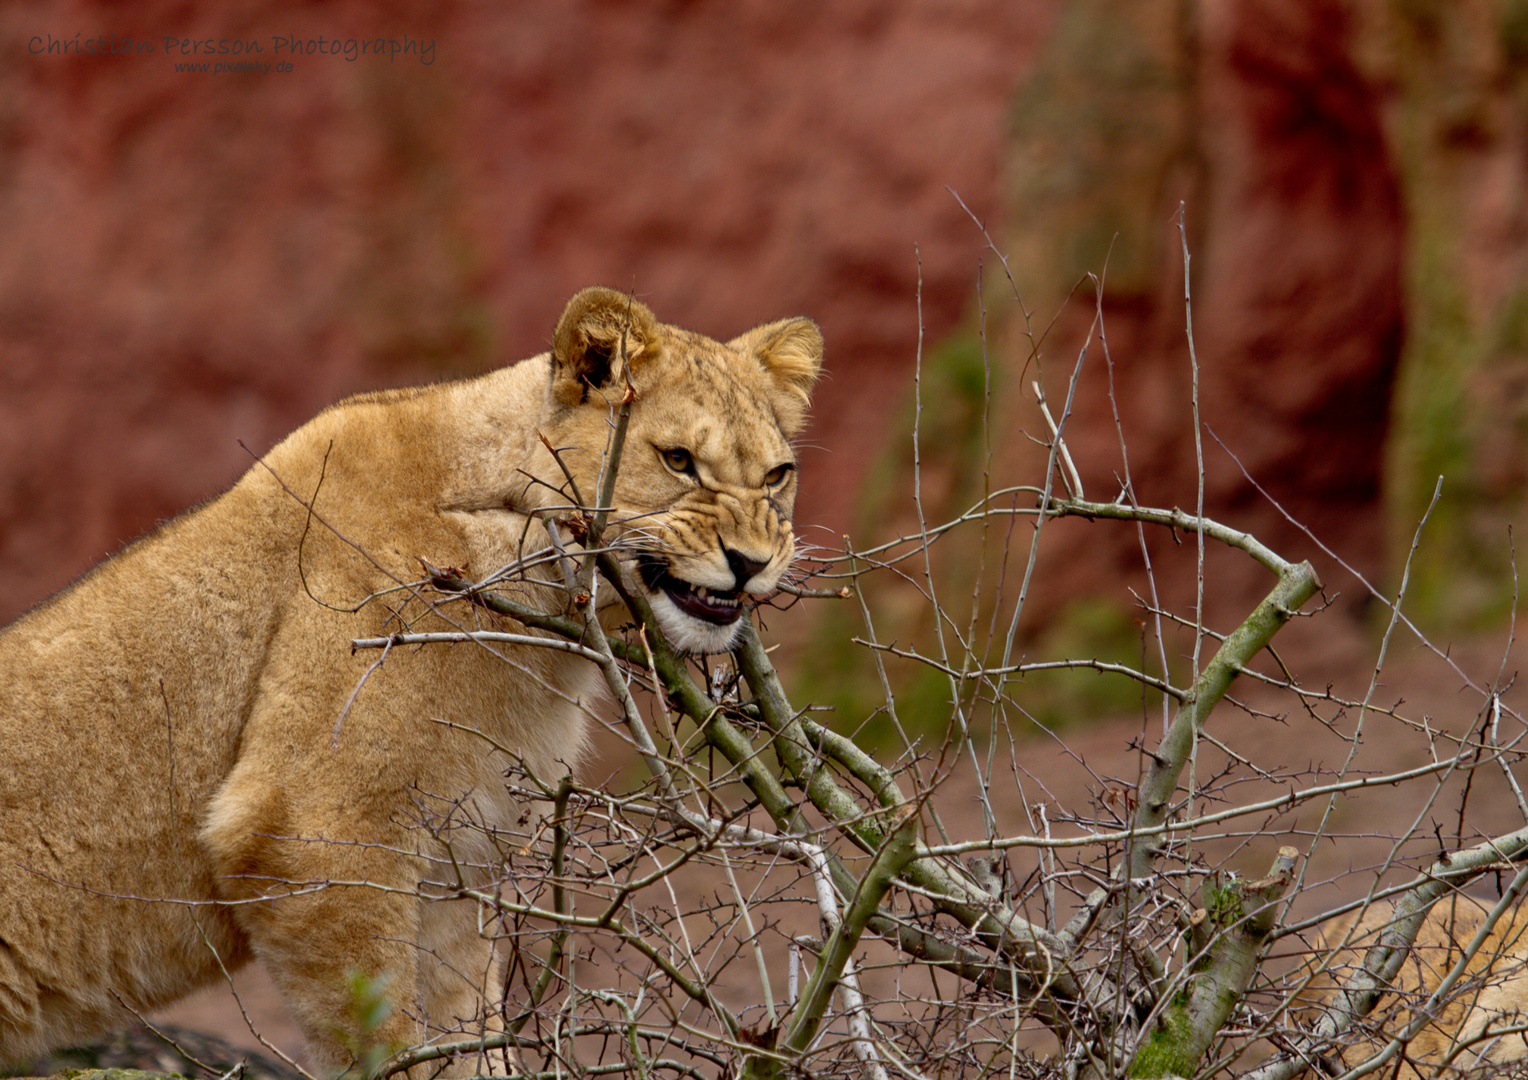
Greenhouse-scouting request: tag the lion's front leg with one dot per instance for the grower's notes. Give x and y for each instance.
(346, 967)
(335, 919)
(369, 976)
(461, 983)
(415, 973)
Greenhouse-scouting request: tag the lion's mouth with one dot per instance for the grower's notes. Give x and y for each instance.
(708, 605)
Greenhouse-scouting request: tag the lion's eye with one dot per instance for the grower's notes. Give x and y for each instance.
(776, 476)
(679, 460)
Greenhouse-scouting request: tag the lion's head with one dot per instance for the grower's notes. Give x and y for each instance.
(707, 479)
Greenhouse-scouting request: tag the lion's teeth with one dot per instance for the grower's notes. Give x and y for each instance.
(703, 594)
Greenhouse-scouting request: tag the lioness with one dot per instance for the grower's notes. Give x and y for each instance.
(191, 751)
(1480, 1024)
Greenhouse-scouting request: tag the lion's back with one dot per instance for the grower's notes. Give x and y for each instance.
(120, 704)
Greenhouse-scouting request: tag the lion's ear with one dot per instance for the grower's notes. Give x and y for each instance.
(790, 351)
(587, 344)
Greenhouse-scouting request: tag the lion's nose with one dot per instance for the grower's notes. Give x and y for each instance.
(743, 568)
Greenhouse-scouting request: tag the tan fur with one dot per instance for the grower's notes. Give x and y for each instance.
(1494, 990)
(168, 724)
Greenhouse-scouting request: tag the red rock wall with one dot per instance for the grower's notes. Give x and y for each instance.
(192, 260)
(1256, 118)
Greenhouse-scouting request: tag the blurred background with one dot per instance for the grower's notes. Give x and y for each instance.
(192, 262)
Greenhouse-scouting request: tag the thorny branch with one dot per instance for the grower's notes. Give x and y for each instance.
(1083, 946)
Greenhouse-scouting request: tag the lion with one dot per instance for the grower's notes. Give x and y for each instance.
(200, 771)
(1481, 1022)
